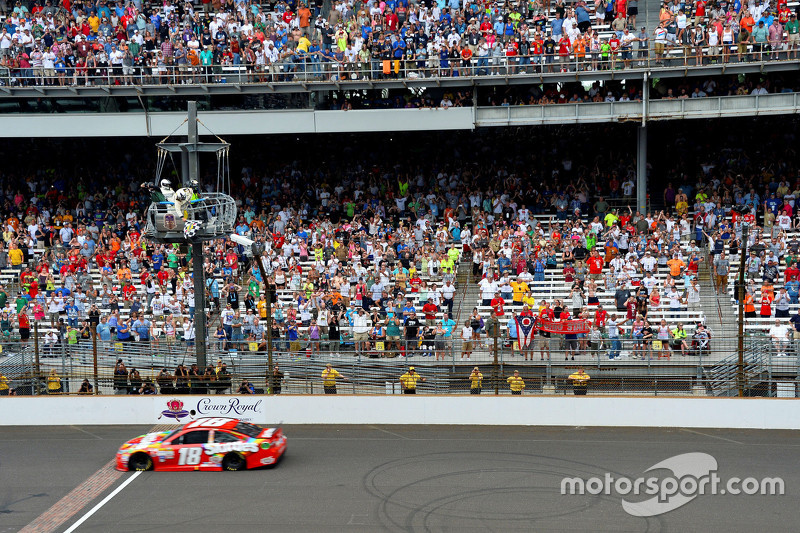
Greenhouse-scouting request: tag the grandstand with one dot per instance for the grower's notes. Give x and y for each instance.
(391, 222)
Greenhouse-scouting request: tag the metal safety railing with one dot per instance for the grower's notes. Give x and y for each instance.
(308, 68)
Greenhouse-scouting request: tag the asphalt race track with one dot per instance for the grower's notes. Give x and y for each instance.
(402, 478)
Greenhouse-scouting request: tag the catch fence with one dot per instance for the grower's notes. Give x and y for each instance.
(769, 367)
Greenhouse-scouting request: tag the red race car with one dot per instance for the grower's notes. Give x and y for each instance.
(204, 444)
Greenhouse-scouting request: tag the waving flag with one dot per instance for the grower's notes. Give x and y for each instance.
(525, 330)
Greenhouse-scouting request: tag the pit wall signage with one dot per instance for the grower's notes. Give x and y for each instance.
(182, 410)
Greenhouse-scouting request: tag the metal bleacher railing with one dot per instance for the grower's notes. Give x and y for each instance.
(316, 69)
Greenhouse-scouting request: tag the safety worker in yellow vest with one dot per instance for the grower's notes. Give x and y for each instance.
(408, 381)
(580, 382)
(516, 383)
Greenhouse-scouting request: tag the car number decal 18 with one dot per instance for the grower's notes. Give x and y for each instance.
(190, 456)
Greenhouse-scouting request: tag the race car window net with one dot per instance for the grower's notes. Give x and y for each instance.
(247, 429)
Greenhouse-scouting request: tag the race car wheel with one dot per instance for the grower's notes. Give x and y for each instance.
(140, 462)
(234, 461)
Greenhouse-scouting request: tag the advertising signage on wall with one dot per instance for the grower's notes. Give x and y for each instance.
(184, 409)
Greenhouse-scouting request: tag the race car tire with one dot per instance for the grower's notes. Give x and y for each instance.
(140, 462)
(233, 462)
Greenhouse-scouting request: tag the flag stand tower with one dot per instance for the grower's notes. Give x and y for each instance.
(193, 215)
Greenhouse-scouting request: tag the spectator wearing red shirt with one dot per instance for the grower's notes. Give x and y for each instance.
(564, 47)
(128, 291)
(430, 310)
(600, 317)
(595, 264)
(232, 260)
(497, 304)
(791, 273)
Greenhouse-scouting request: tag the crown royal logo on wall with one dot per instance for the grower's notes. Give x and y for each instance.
(174, 410)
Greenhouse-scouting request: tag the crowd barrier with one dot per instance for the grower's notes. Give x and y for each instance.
(581, 411)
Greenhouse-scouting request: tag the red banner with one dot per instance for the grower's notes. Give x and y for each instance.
(563, 327)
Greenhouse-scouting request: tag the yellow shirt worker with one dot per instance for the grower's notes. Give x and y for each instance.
(476, 381)
(329, 376)
(580, 381)
(3, 385)
(53, 383)
(409, 381)
(516, 383)
(519, 288)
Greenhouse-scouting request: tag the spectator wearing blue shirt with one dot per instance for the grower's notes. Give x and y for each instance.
(773, 204)
(793, 290)
(104, 330)
(512, 330)
(408, 310)
(123, 331)
(448, 324)
(143, 328)
(504, 265)
(498, 27)
(72, 314)
(556, 26)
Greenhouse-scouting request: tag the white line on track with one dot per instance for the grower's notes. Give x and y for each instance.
(711, 436)
(87, 432)
(104, 501)
(390, 432)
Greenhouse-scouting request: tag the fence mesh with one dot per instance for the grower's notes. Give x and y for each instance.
(615, 366)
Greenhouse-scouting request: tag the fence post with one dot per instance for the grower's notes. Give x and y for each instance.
(38, 369)
(94, 357)
(64, 363)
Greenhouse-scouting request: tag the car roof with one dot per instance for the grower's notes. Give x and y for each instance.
(212, 423)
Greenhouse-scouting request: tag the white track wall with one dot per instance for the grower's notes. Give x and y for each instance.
(501, 410)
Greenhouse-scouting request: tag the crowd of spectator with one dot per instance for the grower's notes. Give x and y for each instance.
(719, 31)
(67, 42)
(363, 246)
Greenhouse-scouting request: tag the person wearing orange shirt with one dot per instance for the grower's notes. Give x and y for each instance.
(466, 59)
(675, 266)
(13, 222)
(304, 16)
(124, 274)
(579, 50)
(747, 22)
(749, 306)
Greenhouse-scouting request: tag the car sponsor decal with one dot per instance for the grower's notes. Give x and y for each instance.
(224, 447)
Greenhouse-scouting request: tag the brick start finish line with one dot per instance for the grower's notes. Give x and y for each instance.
(79, 497)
